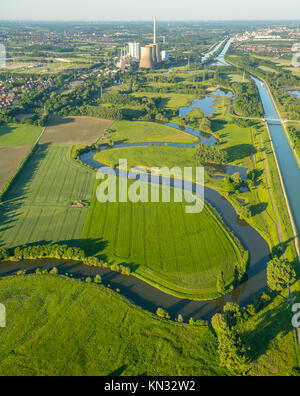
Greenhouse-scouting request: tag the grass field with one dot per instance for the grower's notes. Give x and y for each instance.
(178, 252)
(65, 327)
(140, 131)
(238, 78)
(172, 100)
(37, 207)
(19, 135)
(54, 327)
(74, 130)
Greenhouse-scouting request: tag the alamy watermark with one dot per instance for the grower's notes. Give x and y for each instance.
(296, 317)
(2, 316)
(152, 185)
(2, 56)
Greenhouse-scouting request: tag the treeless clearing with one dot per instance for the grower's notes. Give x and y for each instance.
(74, 130)
(11, 158)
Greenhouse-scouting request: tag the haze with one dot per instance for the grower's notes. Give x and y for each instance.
(115, 10)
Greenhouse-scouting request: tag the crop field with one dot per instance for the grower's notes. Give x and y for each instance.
(10, 159)
(178, 252)
(37, 207)
(19, 135)
(74, 130)
(140, 131)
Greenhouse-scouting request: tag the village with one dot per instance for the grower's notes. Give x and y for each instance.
(11, 90)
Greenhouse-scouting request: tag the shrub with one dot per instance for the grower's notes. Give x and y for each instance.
(3, 254)
(54, 271)
(161, 313)
(98, 279)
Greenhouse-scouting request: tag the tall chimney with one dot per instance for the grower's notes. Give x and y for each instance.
(155, 40)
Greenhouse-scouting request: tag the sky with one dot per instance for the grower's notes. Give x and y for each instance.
(137, 10)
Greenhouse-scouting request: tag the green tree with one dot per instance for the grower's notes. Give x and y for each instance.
(237, 179)
(281, 274)
(180, 318)
(54, 271)
(221, 285)
(98, 279)
(161, 313)
(3, 254)
(244, 212)
(228, 185)
(231, 349)
(205, 125)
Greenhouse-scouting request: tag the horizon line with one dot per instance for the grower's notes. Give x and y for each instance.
(146, 20)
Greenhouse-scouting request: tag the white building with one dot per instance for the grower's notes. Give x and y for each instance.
(2, 56)
(165, 56)
(134, 50)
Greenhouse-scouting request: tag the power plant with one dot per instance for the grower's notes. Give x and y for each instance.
(150, 55)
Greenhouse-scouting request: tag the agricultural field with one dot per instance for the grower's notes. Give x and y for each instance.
(15, 144)
(19, 135)
(140, 131)
(154, 239)
(37, 206)
(10, 160)
(74, 130)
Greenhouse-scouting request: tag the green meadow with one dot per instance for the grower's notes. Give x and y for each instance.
(141, 131)
(63, 327)
(58, 326)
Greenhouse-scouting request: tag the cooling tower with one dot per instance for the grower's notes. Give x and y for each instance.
(154, 53)
(158, 54)
(146, 58)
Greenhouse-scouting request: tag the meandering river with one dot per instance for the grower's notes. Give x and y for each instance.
(150, 298)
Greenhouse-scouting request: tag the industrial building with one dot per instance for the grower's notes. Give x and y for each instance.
(165, 56)
(150, 55)
(134, 50)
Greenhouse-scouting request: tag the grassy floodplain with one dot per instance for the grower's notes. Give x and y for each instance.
(122, 339)
(141, 131)
(43, 311)
(180, 253)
